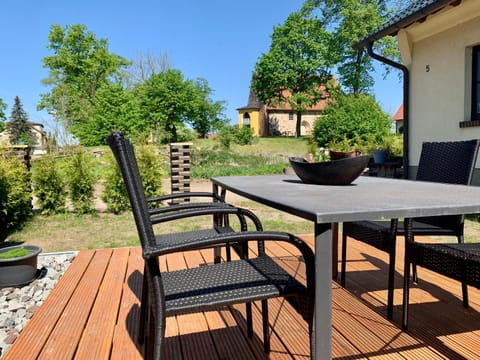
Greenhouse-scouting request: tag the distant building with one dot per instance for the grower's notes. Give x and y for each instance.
(398, 119)
(277, 120)
(40, 138)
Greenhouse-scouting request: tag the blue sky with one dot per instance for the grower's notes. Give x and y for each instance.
(219, 40)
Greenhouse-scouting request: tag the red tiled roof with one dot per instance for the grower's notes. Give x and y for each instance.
(399, 114)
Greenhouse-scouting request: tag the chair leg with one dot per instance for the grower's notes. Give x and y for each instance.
(249, 319)
(406, 292)
(391, 277)
(464, 286)
(266, 332)
(143, 309)
(344, 259)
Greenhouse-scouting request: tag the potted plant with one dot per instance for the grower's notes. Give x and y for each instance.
(18, 264)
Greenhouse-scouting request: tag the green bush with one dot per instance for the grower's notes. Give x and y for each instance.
(15, 195)
(356, 118)
(115, 193)
(49, 186)
(151, 171)
(150, 165)
(243, 135)
(81, 181)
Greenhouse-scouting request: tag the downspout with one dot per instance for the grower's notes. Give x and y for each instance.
(406, 102)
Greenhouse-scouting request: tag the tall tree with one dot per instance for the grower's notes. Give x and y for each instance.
(79, 66)
(3, 107)
(296, 65)
(19, 129)
(348, 22)
(169, 102)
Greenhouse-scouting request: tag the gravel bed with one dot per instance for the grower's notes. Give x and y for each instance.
(18, 305)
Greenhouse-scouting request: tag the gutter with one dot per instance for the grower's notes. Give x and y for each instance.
(406, 101)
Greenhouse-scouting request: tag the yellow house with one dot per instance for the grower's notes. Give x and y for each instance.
(277, 120)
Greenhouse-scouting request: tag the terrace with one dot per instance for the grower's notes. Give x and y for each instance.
(93, 311)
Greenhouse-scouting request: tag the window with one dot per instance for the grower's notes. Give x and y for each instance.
(476, 83)
(246, 120)
(290, 116)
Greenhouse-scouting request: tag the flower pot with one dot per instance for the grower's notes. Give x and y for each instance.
(19, 271)
(379, 156)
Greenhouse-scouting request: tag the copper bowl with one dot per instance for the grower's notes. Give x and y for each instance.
(335, 172)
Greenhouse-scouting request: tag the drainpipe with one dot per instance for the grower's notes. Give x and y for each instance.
(406, 102)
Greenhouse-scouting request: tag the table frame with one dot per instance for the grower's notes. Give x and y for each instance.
(368, 198)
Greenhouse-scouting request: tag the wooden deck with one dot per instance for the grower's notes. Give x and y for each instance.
(92, 314)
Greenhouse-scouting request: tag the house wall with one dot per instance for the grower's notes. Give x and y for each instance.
(438, 57)
(279, 121)
(255, 121)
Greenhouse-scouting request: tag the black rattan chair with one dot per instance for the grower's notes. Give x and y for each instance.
(447, 162)
(211, 286)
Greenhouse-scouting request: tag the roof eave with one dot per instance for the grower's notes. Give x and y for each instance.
(403, 23)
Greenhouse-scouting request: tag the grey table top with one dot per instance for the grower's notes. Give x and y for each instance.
(367, 198)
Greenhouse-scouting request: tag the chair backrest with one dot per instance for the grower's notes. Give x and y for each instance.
(125, 155)
(451, 162)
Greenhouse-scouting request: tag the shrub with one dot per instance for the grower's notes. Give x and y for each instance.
(356, 118)
(15, 195)
(243, 135)
(115, 193)
(81, 181)
(49, 186)
(151, 171)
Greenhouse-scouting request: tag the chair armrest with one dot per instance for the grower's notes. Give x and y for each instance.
(160, 198)
(185, 206)
(224, 209)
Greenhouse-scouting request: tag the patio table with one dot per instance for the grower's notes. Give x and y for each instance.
(367, 198)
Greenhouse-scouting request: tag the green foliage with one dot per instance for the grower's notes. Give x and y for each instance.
(81, 181)
(15, 194)
(350, 21)
(295, 66)
(356, 118)
(115, 192)
(18, 127)
(243, 135)
(80, 65)
(150, 165)
(3, 107)
(115, 108)
(169, 102)
(234, 134)
(151, 171)
(49, 186)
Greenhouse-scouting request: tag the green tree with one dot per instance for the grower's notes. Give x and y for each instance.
(80, 65)
(19, 129)
(208, 114)
(169, 103)
(354, 118)
(115, 108)
(296, 65)
(3, 107)
(350, 21)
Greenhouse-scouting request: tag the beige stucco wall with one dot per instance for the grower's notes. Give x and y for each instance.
(438, 57)
(280, 120)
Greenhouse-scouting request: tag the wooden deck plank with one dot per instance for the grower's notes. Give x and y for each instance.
(63, 341)
(125, 341)
(440, 328)
(97, 337)
(38, 329)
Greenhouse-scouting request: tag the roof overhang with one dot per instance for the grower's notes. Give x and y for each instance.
(406, 18)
